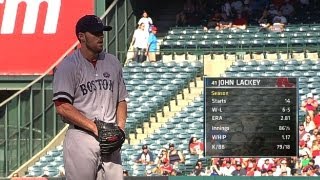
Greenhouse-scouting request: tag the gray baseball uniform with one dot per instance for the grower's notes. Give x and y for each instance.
(95, 92)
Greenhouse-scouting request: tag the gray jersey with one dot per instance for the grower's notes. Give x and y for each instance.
(94, 91)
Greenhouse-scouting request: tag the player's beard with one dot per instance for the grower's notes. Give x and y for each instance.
(95, 46)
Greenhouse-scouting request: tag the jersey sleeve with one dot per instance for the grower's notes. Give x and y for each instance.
(64, 81)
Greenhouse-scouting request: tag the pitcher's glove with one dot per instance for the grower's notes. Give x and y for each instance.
(110, 136)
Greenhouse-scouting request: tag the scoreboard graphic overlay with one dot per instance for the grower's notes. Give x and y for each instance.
(251, 117)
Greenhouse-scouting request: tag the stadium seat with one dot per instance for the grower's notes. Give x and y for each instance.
(295, 73)
(310, 74)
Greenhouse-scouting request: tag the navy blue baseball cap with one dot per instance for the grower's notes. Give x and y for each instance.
(92, 24)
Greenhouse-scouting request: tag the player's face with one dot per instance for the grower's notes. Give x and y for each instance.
(94, 41)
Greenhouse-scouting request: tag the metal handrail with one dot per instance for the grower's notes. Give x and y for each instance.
(56, 63)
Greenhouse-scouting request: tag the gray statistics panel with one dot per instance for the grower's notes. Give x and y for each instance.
(250, 117)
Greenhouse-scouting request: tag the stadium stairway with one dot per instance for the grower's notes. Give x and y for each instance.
(154, 124)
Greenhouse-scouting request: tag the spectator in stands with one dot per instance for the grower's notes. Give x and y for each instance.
(226, 9)
(198, 169)
(215, 170)
(239, 171)
(213, 21)
(266, 165)
(277, 3)
(287, 9)
(147, 21)
(283, 169)
(189, 7)
(304, 160)
(308, 124)
(315, 148)
(279, 18)
(303, 150)
(252, 167)
(314, 134)
(316, 119)
(166, 168)
(196, 147)
(318, 137)
(175, 156)
(240, 22)
(181, 18)
(237, 6)
(264, 172)
(317, 170)
(309, 171)
(146, 156)
(302, 131)
(272, 171)
(139, 43)
(152, 44)
(227, 169)
(163, 156)
(309, 105)
(272, 11)
(224, 24)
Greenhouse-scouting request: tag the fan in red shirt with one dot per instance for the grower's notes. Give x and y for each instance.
(316, 120)
(196, 146)
(240, 22)
(166, 167)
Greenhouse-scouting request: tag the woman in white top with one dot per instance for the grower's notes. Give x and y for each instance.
(139, 43)
(147, 21)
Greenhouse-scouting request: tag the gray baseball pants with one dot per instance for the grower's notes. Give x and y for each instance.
(81, 154)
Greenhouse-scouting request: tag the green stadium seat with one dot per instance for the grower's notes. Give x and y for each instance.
(303, 67)
(289, 67)
(136, 69)
(308, 62)
(149, 82)
(303, 85)
(310, 74)
(175, 70)
(303, 79)
(255, 74)
(170, 64)
(162, 70)
(242, 74)
(252, 63)
(157, 64)
(283, 74)
(239, 63)
(229, 74)
(293, 62)
(149, 69)
(279, 62)
(167, 75)
(296, 74)
(316, 91)
(297, 45)
(269, 74)
(247, 68)
(260, 68)
(133, 64)
(315, 67)
(274, 68)
(314, 85)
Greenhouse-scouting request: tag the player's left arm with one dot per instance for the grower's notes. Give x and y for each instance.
(122, 114)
